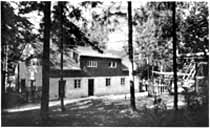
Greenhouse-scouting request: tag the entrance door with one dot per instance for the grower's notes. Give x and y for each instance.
(90, 87)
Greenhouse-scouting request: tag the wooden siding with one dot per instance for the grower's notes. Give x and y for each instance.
(102, 68)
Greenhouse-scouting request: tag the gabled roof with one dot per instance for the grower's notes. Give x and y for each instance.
(88, 51)
(68, 64)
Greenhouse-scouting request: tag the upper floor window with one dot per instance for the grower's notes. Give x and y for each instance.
(77, 83)
(112, 64)
(108, 81)
(92, 64)
(122, 81)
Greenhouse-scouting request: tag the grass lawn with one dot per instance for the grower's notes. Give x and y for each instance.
(109, 112)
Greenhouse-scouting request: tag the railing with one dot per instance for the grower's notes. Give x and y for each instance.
(190, 72)
(188, 69)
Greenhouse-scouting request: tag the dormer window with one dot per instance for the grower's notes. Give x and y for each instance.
(92, 64)
(112, 64)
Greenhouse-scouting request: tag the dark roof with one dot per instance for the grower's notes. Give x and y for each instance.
(88, 51)
(81, 73)
(124, 68)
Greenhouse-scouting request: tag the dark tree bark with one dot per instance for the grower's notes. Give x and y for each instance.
(3, 71)
(45, 63)
(18, 77)
(130, 46)
(174, 56)
(62, 82)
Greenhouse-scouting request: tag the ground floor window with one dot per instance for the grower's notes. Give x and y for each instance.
(77, 83)
(108, 81)
(122, 81)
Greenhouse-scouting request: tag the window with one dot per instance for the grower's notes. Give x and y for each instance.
(122, 81)
(112, 64)
(23, 84)
(92, 64)
(77, 83)
(108, 81)
(75, 57)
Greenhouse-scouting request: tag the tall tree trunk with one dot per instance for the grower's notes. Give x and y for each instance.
(130, 46)
(45, 63)
(174, 57)
(61, 82)
(3, 63)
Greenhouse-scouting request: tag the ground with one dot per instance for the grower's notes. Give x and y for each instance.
(111, 111)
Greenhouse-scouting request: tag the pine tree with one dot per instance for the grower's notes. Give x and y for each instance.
(15, 35)
(45, 62)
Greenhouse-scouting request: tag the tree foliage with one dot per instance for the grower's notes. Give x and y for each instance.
(153, 26)
(72, 34)
(195, 27)
(16, 33)
(103, 20)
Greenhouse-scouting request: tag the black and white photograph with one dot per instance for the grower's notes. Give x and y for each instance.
(104, 63)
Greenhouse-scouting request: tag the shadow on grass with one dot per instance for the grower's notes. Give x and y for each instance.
(107, 113)
(181, 118)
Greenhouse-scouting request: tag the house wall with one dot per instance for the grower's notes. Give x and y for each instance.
(38, 77)
(100, 87)
(114, 88)
(70, 91)
(136, 83)
(99, 84)
(25, 74)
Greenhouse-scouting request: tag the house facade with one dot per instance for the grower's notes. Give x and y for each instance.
(87, 73)
(98, 74)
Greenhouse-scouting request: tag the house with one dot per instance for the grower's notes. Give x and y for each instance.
(91, 73)
(28, 72)
(87, 72)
